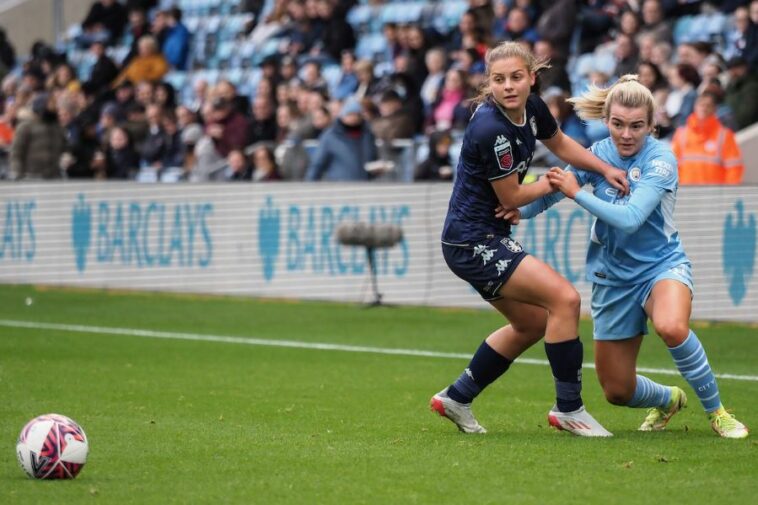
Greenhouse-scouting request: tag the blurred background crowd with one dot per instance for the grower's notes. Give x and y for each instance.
(346, 90)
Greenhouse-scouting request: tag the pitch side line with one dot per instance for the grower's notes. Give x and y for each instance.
(321, 346)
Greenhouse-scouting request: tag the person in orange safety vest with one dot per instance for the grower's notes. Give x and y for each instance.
(705, 149)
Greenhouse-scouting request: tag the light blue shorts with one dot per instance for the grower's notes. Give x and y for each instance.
(618, 312)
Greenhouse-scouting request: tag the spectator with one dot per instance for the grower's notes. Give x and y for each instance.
(155, 143)
(625, 54)
(121, 158)
(565, 116)
(148, 65)
(557, 24)
(449, 110)
(394, 121)
(7, 55)
(226, 127)
(555, 74)
(38, 143)
(225, 89)
(265, 168)
(103, 72)
(138, 27)
(238, 167)
(654, 22)
(596, 20)
(176, 45)
(518, 26)
(684, 79)
(173, 149)
(706, 151)
(159, 28)
(438, 166)
(367, 84)
(337, 34)
(693, 53)
(62, 79)
(650, 76)
(436, 63)
(105, 21)
(164, 95)
(742, 92)
(144, 93)
(348, 81)
(735, 41)
(185, 116)
(630, 23)
(750, 53)
(262, 127)
(81, 141)
(311, 75)
(344, 148)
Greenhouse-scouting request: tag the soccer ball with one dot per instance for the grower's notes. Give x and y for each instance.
(52, 446)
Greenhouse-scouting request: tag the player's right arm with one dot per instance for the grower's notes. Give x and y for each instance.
(512, 195)
(499, 157)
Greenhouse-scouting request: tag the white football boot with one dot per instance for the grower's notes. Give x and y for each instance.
(459, 413)
(578, 422)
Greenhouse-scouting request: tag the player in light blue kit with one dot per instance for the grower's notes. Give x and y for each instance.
(636, 262)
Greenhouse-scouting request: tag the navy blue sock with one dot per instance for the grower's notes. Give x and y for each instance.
(566, 361)
(485, 367)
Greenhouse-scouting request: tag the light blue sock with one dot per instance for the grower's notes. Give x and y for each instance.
(690, 359)
(649, 394)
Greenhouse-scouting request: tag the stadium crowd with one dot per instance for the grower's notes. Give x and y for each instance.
(263, 90)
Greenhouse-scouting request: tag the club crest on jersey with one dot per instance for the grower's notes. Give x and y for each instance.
(512, 245)
(635, 173)
(503, 153)
(533, 124)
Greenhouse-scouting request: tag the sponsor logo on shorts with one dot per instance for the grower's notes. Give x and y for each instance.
(512, 245)
(502, 266)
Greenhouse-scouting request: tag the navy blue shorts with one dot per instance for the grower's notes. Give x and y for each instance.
(486, 265)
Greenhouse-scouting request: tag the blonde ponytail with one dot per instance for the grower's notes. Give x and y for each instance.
(596, 102)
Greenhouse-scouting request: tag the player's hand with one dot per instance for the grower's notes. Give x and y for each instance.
(617, 178)
(513, 216)
(563, 181)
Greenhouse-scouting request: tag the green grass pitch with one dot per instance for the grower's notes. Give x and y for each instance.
(192, 421)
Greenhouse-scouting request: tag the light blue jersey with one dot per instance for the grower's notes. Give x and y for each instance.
(633, 238)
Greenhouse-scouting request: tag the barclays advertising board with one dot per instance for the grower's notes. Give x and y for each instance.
(279, 240)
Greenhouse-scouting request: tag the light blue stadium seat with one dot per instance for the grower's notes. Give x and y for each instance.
(682, 29)
(176, 79)
(370, 45)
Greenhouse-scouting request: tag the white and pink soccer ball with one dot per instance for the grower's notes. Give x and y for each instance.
(52, 446)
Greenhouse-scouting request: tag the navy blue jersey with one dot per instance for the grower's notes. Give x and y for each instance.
(493, 147)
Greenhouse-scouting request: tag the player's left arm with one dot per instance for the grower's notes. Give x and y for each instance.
(570, 151)
(659, 178)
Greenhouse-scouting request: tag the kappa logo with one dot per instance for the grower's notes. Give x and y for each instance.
(503, 153)
(486, 254)
(502, 266)
(533, 124)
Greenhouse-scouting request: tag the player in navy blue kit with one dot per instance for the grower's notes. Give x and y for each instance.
(636, 262)
(497, 149)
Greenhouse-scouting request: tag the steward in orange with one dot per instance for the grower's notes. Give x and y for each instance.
(706, 150)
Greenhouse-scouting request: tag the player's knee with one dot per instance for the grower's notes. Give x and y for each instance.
(570, 299)
(617, 394)
(672, 331)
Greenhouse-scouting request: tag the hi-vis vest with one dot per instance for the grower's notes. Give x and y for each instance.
(707, 153)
